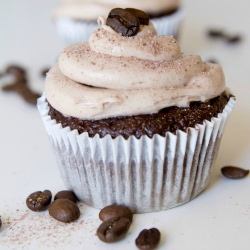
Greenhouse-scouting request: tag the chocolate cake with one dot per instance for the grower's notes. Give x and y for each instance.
(166, 120)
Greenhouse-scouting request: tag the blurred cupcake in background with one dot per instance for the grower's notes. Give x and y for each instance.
(75, 20)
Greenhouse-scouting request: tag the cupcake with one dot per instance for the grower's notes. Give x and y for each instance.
(75, 20)
(132, 120)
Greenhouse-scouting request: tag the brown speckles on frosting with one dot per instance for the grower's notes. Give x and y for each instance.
(112, 75)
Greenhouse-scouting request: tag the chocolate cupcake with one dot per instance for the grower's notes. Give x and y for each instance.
(132, 120)
(75, 20)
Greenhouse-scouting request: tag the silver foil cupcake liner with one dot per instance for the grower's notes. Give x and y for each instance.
(169, 25)
(75, 31)
(146, 174)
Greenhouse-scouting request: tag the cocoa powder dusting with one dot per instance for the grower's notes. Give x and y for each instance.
(40, 231)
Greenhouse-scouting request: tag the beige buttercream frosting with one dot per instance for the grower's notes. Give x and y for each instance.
(112, 75)
(91, 9)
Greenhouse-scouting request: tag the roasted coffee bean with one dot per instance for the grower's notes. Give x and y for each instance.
(18, 72)
(64, 210)
(234, 172)
(233, 39)
(123, 21)
(113, 229)
(212, 60)
(39, 201)
(214, 33)
(20, 84)
(148, 239)
(24, 91)
(143, 17)
(44, 72)
(115, 211)
(0, 222)
(66, 194)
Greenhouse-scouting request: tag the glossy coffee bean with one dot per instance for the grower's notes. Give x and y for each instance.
(142, 16)
(234, 172)
(115, 211)
(64, 210)
(148, 239)
(39, 201)
(123, 21)
(66, 194)
(113, 229)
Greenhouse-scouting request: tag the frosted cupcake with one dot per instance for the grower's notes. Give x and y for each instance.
(132, 120)
(75, 20)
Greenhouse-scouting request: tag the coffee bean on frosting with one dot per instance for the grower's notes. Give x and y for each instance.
(148, 239)
(66, 194)
(123, 21)
(39, 201)
(64, 210)
(112, 211)
(233, 172)
(143, 17)
(113, 229)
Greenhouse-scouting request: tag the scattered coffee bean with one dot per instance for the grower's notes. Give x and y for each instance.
(214, 33)
(115, 211)
(20, 84)
(39, 201)
(24, 91)
(234, 172)
(233, 39)
(123, 21)
(44, 71)
(18, 72)
(66, 194)
(143, 17)
(0, 222)
(64, 210)
(148, 239)
(113, 229)
(212, 60)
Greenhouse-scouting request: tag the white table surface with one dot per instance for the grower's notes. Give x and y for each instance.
(216, 220)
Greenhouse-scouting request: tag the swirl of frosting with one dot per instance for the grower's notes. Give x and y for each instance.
(91, 9)
(112, 75)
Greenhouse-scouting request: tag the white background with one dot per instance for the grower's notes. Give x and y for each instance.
(218, 219)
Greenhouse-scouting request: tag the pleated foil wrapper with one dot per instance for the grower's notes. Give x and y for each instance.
(146, 174)
(75, 31)
(169, 25)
